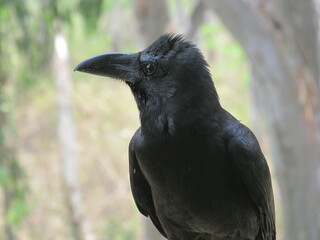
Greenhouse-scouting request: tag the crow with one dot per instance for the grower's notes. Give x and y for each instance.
(195, 170)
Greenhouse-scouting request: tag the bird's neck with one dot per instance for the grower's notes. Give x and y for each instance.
(179, 115)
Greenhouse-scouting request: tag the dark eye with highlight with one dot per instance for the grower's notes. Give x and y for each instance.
(149, 68)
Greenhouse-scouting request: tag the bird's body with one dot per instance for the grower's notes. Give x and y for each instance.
(195, 170)
(186, 194)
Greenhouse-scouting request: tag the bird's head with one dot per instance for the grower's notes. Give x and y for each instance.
(169, 74)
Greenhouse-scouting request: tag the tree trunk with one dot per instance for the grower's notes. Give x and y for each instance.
(66, 136)
(196, 19)
(152, 16)
(281, 39)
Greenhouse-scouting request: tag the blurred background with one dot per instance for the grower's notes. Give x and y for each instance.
(64, 135)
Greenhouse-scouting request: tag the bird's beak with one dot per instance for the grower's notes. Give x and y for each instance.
(115, 65)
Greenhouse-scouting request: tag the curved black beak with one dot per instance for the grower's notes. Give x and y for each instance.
(115, 65)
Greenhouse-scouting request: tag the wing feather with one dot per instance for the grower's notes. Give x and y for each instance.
(255, 175)
(141, 190)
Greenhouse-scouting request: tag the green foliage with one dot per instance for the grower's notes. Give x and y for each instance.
(13, 183)
(17, 211)
(116, 230)
(22, 36)
(107, 5)
(91, 11)
(185, 7)
(30, 26)
(3, 176)
(228, 68)
(217, 39)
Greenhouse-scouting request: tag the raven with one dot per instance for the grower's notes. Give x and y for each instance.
(195, 170)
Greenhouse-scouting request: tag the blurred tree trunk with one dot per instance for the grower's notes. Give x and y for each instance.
(152, 16)
(196, 19)
(66, 135)
(281, 39)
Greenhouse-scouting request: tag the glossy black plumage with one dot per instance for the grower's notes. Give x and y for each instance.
(195, 170)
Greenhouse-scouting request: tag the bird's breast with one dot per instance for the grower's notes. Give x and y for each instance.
(190, 178)
(167, 159)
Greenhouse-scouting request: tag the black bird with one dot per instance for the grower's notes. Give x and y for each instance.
(195, 170)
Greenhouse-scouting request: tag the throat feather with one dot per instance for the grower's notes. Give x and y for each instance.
(158, 123)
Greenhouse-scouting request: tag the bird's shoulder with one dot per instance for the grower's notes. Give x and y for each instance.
(239, 135)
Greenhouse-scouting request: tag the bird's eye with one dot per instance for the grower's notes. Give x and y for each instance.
(149, 68)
